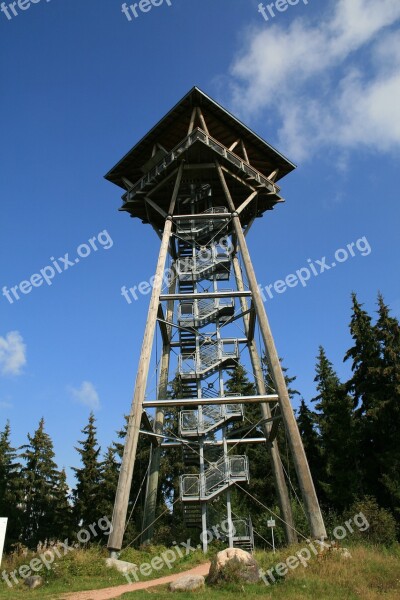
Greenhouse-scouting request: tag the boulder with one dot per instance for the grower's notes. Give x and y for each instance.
(33, 581)
(187, 583)
(234, 564)
(121, 565)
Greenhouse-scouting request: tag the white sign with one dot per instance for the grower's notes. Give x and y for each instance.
(271, 523)
(3, 527)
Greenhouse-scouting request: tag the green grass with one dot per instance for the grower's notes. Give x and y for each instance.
(83, 570)
(373, 573)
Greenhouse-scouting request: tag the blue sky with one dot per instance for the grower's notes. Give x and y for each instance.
(80, 84)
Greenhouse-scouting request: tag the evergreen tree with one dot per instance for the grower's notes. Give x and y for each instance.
(88, 477)
(108, 484)
(337, 436)
(365, 386)
(387, 415)
(261, 484)
(40, 483)
(63, 512)
(10, 487)
(307, 422)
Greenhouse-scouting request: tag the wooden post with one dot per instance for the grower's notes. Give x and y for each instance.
(132, 436)
(306, 483)
(277, 469)
(153, 477)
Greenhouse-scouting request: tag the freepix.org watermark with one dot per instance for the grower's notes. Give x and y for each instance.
(315, 268)
(144, 6)
(203, 257)
(60, 265)
(269, 11)
(46, 559)
(13, 9)
(169, 556)
(314, 548)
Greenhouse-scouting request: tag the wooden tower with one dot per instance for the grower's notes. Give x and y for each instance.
(200, 178)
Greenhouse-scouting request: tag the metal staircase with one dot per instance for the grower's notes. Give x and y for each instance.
(208, 358)
(197, 313)
(201, 229)
(203, 354)
(194, 423)
(208, 261)
(217, 478)
(244, 536)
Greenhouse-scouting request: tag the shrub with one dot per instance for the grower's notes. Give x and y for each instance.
(382, 524)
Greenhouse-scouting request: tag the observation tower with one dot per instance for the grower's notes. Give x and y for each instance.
(200, 178)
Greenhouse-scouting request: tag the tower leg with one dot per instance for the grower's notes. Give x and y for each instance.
(129, 456)
(276, 463)
(153, 477)
(306, 483)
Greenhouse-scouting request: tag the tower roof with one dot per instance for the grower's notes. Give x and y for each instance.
(222, 126)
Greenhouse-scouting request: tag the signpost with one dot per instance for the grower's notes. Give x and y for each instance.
(271, 523)
(3, 527)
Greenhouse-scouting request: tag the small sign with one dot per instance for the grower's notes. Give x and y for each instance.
(271, 523)
(3, 527)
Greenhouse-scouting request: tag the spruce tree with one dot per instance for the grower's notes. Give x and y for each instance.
(63, 512)
(110, 467)
(365, 386)
(88, 477)
(261, 484)
(40, 482)
(388, 410)
(337, 436)
(307, 422)
(10, 487)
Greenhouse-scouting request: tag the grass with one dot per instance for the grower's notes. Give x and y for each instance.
(373, 573)
(83, 570)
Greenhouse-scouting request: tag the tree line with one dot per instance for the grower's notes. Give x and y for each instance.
(350, 430)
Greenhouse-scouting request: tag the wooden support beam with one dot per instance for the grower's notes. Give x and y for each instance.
(231, 148)
(202, 120)
(163, 325)
(296, 445)
(276, 462)
(156, 207)
(243, 147)
(154, 473)
(132, 436)
(252, 323)
(128, 184)
(247, 202)
(274, 429)
(272, 176)
(192, 120)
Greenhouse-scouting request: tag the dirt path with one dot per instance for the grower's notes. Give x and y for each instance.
(116, 592)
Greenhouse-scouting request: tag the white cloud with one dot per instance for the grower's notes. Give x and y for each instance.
(332, 83)
(86, 394)
(12, 353)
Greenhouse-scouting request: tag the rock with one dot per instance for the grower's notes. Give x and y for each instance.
(121, 565)
(187, 583)
(34, 581)
(233, 564)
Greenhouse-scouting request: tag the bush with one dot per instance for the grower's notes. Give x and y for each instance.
(382, 524)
